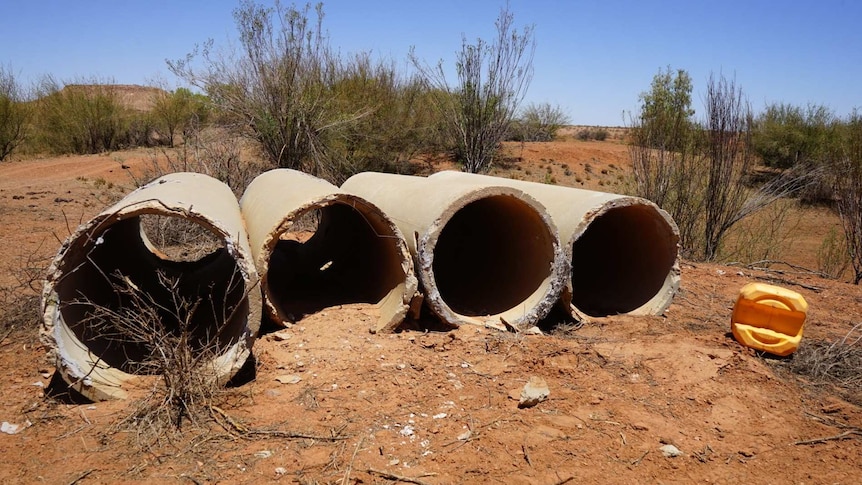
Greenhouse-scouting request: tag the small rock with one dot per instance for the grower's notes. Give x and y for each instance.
(465, 435)
(407, 431)
(10, 428)
(281, 336)
(439, 416)
(280, 471)
(394, 462)
(263, 454)
(535, 391)
(533, 331)
(288, 379)
(670, 451)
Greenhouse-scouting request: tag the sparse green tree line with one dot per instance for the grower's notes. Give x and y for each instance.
(713, 170)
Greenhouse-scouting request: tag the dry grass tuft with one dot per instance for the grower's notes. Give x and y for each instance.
(20, 296)
(837, 363)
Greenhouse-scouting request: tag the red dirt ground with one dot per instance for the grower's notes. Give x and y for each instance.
(441, 407)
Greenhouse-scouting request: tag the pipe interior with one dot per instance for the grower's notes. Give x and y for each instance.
(119, 295)
(492, 255)
(351, 256)
(622, 260)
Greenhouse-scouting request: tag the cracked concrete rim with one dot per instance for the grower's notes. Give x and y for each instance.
(111, 251)
(623, 251)
(485, 255)
(355, 254)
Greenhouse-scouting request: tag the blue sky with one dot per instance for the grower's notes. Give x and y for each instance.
(593, 57)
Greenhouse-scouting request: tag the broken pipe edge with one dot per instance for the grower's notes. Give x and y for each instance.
(190, 196)
(519, 317)
(627, 261)
(276, 199)
(662, 242)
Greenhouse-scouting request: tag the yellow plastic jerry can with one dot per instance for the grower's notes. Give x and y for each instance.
(769, 318)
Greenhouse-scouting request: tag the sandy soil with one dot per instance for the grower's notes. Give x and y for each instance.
(441, 407)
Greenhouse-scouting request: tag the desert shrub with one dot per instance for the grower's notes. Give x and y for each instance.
(763, 236)
(397, 121)
(79, 118)
(833, 258)
(785, 135)
(665, 119)
(14, 114)
(276, 87)
(176, 112)
(492, 78)
(210, 151)
(538, 122)
(699, 172)
(167, 346)
(846, 168)
(20, 292)
(600, 134)
(837, 362)
(307, 106)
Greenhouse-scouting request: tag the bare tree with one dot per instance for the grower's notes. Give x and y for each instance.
(275, 88)
(13, 114)
(492, 79)
(703, 181)
(848, 190)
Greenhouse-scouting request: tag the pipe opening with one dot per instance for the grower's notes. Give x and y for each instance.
(121, 295)
(622, 260)
(492, 255)
(177, 239)
(333, 255)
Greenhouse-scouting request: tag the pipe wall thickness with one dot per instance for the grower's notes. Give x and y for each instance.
(108, 270)
(355, 254)
(623, 251)
(486, 255)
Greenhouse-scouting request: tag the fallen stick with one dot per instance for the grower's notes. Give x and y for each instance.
(399, 478)
(840, 436)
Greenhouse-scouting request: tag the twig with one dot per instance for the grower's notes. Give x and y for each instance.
(8, 332)
(346, 478)
(82, 476)
(840, 436)
(526, 455)
(763, 265)
(565, 480)
(639, 460)
(775, 279)
(244, 431)
(399, 478)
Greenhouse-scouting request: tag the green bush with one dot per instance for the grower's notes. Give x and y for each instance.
(538, 122)
(177, 112)
(785, 136)
(14, 114)
(79, 118)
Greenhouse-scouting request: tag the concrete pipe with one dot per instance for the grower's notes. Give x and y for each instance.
(484, 255)
(623, 250)
(353, 254)
(112, 297)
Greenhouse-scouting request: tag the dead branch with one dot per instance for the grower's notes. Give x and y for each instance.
(399, 478)
(848, 434)
(239, 430)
